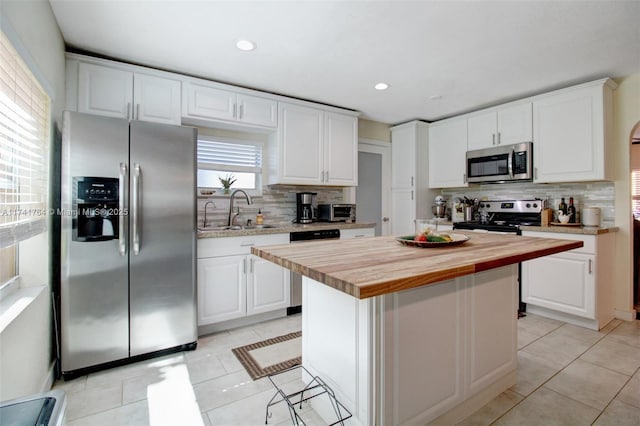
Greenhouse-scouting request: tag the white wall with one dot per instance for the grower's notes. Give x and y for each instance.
(25, 357)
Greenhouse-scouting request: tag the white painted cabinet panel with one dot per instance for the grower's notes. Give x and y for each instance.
(257, 111)
(313, 147)
(207, 102)
(562, 282)
(267, 286)
(572, 129)
(340, 149)
(104, 91)
(221, 289)
(300, 136)
(232, 283)
(447, 149)
(403, 211)
(113, 92)
(509, 125)
(492, 336)
(156, 99)
(573, 286)
(346, 234)
(202, 101)
(403, 157)
(515, 124)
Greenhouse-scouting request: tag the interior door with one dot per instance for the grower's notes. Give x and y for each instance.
(162, 236)
(373, 190)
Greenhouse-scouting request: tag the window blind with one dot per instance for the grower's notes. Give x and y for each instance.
(635, 192)
(217, 155)
(24, 136)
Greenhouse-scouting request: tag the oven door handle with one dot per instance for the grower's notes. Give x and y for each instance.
(512, 155)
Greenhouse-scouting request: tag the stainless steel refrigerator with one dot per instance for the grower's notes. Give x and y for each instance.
(127, 241)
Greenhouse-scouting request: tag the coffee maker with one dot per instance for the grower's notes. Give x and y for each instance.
(306, 207)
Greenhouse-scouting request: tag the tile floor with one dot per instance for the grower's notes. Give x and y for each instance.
(567, 375)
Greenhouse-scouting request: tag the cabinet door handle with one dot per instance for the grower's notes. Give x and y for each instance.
(123, 182)
(234, 110)
(498, 138)
(241, 111)
(385, 219)
(411, 180)
(412, 195)
(590, 267)
(137, 111)
(128, 110)
(244, 265)
(251, 265)
(493, 138)
(535, 173)
(327, 179)
(247, 244)
(464, 178)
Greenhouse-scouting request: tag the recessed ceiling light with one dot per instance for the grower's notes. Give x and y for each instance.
(381, 86)
(245, 45)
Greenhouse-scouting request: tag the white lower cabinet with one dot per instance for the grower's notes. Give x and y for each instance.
(573, 286)
(233, 283)
(267, 286)
(346, 234)
(221, 289)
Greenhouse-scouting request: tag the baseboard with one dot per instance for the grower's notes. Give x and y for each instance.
(49, 379)
(240, 322)
(625, 315)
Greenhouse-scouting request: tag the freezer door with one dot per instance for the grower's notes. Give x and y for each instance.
(94, 302)
(162, 249)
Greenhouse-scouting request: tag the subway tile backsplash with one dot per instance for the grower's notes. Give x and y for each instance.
(591, 194)
(277, 203)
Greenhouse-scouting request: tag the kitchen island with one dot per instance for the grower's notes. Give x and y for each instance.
(406, 335)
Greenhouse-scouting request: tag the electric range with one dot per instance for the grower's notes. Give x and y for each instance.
(504, 216)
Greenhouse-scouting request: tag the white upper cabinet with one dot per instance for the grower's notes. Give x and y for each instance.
(572, 129)
(503, 126)
(104, 91)
(313, 147)
(114, 92)
(340, 149)
(156, 99)
(447, 150)
(202, 101)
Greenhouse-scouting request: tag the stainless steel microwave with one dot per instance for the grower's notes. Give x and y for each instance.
(336, 212)
(504, 163)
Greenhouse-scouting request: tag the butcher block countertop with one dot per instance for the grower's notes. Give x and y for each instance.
(367, 267)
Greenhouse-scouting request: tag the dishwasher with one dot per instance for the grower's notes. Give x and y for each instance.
(297, 237)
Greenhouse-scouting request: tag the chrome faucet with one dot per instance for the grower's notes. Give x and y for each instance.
(204, 220)
(231, 203)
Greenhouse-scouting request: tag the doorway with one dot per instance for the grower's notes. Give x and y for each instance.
(635, 211)
(373, 190)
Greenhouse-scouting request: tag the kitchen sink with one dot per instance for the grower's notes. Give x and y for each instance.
(236, 227)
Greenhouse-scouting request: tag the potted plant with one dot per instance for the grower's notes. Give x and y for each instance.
(226, 182)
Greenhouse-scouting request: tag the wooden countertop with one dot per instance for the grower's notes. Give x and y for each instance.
(367, 267)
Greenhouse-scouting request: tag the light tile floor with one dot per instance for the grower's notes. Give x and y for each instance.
(567, 375)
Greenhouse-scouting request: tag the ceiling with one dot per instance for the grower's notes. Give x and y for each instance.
(467, 55)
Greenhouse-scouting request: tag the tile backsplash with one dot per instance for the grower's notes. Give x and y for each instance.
(591, 194)
(277, 203)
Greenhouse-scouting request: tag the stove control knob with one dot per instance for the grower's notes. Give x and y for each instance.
(535, 205)
(528, 205)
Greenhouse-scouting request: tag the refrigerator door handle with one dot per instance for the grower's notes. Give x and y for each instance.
(122, 242)
(135, 209)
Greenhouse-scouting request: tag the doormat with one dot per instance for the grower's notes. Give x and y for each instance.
(271, 356)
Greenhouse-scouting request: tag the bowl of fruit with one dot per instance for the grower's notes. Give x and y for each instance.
(429, 238)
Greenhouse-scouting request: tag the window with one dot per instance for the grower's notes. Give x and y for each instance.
(218, 158)
(24, 137)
